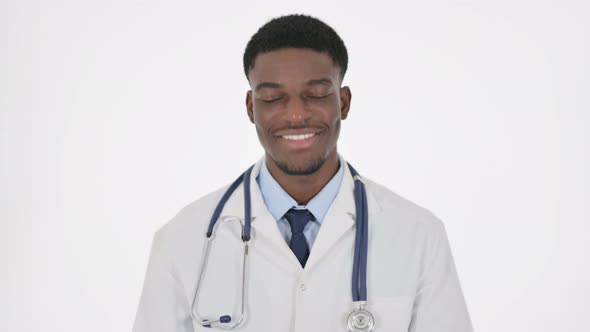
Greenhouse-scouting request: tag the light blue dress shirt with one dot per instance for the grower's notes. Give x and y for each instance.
(278, 202)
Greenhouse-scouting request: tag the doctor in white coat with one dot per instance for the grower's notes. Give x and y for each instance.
(298, 274)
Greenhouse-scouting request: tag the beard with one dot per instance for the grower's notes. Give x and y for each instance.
(305, 168)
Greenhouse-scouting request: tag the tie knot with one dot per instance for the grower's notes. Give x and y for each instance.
(298, 219)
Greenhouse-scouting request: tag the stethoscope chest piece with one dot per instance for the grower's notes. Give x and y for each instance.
(360, 320)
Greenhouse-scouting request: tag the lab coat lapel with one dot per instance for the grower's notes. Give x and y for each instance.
(266, 237)
(338, 221)
(341, 218)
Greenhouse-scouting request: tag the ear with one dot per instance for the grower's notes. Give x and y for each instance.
(250, 106)
(345, 96)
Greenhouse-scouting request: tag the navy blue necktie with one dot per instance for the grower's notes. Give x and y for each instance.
(297, 220)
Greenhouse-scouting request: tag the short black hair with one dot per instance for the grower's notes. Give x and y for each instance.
(298, 31)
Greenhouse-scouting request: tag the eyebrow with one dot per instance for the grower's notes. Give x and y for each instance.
(267, 85)
(320, 81)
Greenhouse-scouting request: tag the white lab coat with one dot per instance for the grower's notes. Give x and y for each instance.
(412, 283)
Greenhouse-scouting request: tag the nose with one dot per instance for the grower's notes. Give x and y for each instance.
(297, 111)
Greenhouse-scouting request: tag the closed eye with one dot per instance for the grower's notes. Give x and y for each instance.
(318, 97)
(271, 100)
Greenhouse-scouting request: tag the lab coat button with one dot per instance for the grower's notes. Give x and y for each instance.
(302, 287)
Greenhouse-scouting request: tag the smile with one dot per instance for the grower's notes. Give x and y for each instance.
(298, 137)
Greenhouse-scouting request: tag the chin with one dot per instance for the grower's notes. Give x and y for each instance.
(301, 165)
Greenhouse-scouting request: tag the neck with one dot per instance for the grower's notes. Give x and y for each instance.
(304, 187)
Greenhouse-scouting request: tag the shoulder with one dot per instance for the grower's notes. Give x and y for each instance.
(180, 241)
(402, 211)
(405, 227)
(192, 219)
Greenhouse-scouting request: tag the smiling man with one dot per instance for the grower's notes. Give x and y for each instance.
(282, 247)
(297, 103)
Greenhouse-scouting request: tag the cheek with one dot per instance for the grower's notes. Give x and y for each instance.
(335, 110)
(258, 117)
(262, 138)
(262, 124)
(259, 130)
(266, 119)
(336, 117)
(337, 127)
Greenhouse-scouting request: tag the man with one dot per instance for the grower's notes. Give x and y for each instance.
(298, 272)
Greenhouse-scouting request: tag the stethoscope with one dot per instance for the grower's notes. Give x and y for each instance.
(359, 319)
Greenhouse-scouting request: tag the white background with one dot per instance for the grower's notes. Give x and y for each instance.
(116, 114)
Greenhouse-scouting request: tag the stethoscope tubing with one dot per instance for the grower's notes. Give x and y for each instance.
(359, 267)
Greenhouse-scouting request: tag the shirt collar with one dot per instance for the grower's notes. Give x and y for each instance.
(278, 201)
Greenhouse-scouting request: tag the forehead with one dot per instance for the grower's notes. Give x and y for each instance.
(293, 65)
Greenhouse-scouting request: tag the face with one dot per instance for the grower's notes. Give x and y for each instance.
(296, 104)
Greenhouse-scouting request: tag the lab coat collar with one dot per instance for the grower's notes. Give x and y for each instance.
(339, 219)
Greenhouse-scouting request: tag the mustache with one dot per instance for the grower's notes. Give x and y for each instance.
(299, 127)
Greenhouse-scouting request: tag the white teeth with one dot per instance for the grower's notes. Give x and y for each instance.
(298, 137)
